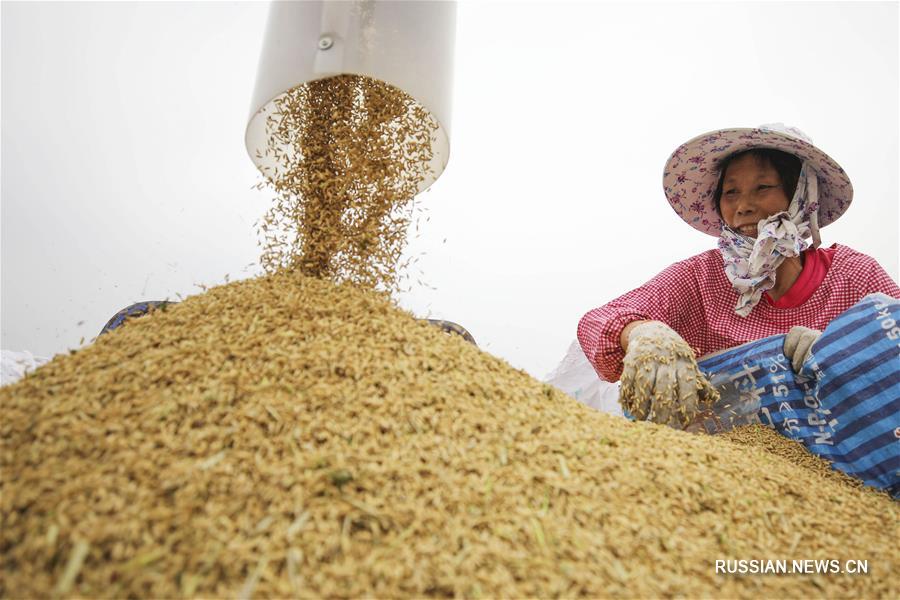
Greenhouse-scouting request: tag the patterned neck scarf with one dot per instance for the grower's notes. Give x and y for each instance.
(750, 264)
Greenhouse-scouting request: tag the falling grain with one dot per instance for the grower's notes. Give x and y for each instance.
(350, 153)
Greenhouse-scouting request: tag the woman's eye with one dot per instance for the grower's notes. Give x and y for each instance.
(765, 187)
(730, 192)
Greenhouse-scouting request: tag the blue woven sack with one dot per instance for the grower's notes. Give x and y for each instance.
(133, 311)
(843, 405)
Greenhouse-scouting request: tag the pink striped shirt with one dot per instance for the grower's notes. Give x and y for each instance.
(694, 298)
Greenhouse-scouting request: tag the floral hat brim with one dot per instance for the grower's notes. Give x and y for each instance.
(692, 173)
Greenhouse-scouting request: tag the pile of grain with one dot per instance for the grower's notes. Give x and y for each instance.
(349, 154)
(758, 437)
(285, 436)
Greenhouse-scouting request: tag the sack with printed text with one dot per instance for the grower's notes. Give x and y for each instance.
(843, 405)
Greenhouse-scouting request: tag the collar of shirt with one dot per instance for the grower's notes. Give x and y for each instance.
(816, 262)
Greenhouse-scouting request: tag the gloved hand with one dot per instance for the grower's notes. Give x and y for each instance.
(798, 344)
(661, 381)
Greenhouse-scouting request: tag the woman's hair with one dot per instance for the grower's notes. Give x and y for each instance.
(787, 165)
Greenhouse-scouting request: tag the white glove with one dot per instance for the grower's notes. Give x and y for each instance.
(661, 381)
(798, 345)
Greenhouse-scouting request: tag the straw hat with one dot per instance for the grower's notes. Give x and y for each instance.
(692, 172)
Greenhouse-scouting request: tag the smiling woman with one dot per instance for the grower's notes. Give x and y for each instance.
(754, 181)
(756, 184)
(763, 192)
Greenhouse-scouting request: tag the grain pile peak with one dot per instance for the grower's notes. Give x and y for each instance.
(346, 156)
(286, 436)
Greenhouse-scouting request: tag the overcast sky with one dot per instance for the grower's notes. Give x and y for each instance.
(125, 178)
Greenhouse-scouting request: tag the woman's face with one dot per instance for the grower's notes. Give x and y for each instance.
(751, 191)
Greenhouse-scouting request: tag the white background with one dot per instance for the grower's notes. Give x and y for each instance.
(124, 175)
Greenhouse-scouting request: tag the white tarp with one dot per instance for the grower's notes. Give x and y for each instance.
(576, 377)
(16, 364)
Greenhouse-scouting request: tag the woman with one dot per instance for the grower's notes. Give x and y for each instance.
(762, 192)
